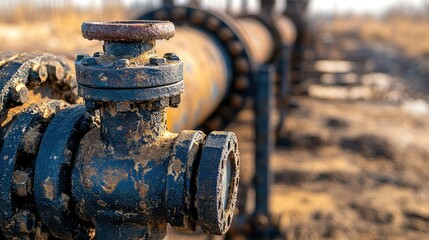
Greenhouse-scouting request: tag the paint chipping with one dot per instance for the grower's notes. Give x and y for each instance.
(48, 189)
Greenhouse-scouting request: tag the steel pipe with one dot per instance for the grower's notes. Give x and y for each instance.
(258, 39)
(220, 55)
(220, 66)
(207, 76)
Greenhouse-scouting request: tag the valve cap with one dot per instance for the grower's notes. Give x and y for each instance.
(217, 182)
(128, 31)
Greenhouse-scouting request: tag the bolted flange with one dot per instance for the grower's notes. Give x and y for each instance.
(129, 69)
(130, 176)
(217, 182)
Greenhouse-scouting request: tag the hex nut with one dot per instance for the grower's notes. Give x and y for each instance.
(157, 61)
(89, 61)
(160, 103)
(21, 183)
(175, 101)
(25, 221)
(171, 57)
(81, 56)
(121, 63)
(98, 54)
(19, 94)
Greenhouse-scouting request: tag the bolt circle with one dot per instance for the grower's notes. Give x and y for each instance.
(217, 182)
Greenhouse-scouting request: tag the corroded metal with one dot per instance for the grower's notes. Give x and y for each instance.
(220, 66)
(206, 75)
(218, 41)
(26, 78)
(109, 169)
(128, 31)
(20, 140)
(130, 154)
(258, 38)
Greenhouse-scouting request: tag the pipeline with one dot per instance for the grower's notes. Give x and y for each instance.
(219, 62)
(109, 169)
(222, 55)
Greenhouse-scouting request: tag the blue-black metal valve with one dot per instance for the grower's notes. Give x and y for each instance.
(109, 169)
(131, 176)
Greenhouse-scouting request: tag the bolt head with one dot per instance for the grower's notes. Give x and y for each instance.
(171, 57)
(98, 54)
(175, 101)
(19, 94)
(157, 61)
(25, 221)
(121, 63)
(21, 183)
(89, 104)
(81, 56)
(160, 103)
(89, 61)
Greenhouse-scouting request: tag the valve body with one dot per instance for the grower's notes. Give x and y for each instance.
(110, 169)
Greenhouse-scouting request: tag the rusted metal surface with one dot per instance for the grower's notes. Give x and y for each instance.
(128, 31)
(110, 169)
(206, 77)
(130, 153)
(216, 208)
(220, 66)
(258, 38)
(287, 30)
(28, 77)
(17, 214)
(213, 46)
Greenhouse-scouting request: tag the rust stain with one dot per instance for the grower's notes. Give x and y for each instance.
(175, 168)
(111, 178)
(101, 203)
(48, 189)
(86, 180)
(143, 190)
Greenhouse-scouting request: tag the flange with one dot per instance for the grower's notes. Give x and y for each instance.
(52, 173)
(20, 145)
(180, 188)
(217, 182)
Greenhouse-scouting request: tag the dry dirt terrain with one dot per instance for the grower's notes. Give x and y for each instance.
(353, 163)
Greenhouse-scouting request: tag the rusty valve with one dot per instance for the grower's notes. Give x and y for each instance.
(130, 176)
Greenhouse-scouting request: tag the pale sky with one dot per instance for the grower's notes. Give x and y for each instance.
(316, 6)
(360, 6)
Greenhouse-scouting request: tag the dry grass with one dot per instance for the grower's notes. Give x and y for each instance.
(56, 30)
(64, 20)
(407, 32)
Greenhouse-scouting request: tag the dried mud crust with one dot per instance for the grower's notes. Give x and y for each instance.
(45, 76)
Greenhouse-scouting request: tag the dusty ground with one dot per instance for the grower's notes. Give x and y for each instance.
(357, 168)
(348, 168)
